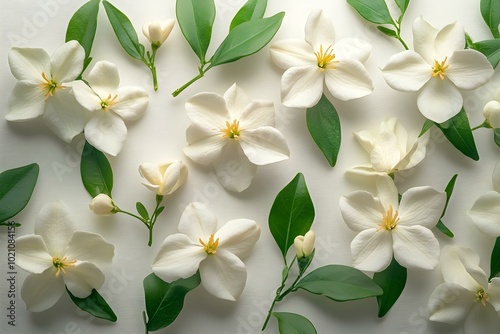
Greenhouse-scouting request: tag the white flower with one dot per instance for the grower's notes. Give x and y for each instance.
(58, 255)
(390, 149)
(109, 106)
(304, 244)
(157, 32)
(466, 293)
(102, 205)
(215, 253)
(387, 228)
(164, 178)
(44, 88)
(438, 68)
(317, 61)
(234, 134)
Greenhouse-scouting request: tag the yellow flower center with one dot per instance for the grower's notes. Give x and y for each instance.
(232, 130)
(389, 219)
(108, 102)
(211, 246)
(49, 86)
(326, 58)
(482, 297)
(61, 264)
(439, 68)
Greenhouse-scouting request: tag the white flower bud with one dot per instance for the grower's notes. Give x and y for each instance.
(304, 245)
(157, 32)
(491, 113)
(164, 178)
(102, 205)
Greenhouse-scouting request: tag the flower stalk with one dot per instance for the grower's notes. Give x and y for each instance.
(202, 70)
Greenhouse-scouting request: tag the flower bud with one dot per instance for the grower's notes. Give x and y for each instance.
(157, 32)
(164, 178)
(304, 245)
(102, 205)
(491, 113)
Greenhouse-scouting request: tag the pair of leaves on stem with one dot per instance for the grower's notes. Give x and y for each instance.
(490, 10)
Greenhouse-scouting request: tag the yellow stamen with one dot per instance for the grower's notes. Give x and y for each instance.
(61, 264)
(389, 220)
(232, 130)
(49, 86)
(482, 297)
(325, 58)
(108, 102)
(211, 246)
(439, 68)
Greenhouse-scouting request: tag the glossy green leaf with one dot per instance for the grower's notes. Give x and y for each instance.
(164, 301)
(490, 10)
(291, 323)
(16, 188)
(340, 283)
(457, 130)
(403, 5)
(491, 49)
(428, 124)
(495, 260)
(124, 31)
(392, 280)
(292, 213)
(141, 209)
(83, 25)
(196, 19)
(251, 10)
(95, 305)
(387, 31)
(449, 191)
(324, 126)
(375, 11)
(496, 136)
(96, 172)
(246, 39)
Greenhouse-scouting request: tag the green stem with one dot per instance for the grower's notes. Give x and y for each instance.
(398, 34)
(187, 84)
(485, 124)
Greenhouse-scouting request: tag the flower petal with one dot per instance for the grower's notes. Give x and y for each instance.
(131, 103)
(264, 145)
(350, 80)
(208, 110)
(41, 291)
(256, 114)
(86, 96)
(415, 247)
(90, 247)
(66, 62)
(292, 53)
(482, 317)
(204, 146)
(28, 64)
(421, 206)
(439, 100)
(197, 222)
(407, 71)
(151, 173)
(372, 250)
(450, 303)
(319, 29)
(82, 278)
(233, 169)
(485, 213)
(496, 177)
(236, 101)
(32, 255)
(302, 87)
(366, 170)
(26, 101)
(494, 293)
(238, 236)
(461, 266)
(352, 48)
(104, 79)
(450, 39)
(424, 36)
(469, 69)
(385, 155)
(361, 211)
(366, 139)
(387, 192)
(106, 131)
(415, 154)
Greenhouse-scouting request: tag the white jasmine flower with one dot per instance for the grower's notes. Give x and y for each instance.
(390, 149)
(44, 88)
(388, 228)
(233, 134)
(58, 255)
(304, 244)
(438, 68)
(102, 205)
(466, 293)
(215, 253)
(317, 61)
(109, 105)
(164, 178)
(157, 32)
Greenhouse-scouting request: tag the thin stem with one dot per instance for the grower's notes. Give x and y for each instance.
(398, 33)
(145, 322)
(187, 84)
(131, 214)
(485, 124)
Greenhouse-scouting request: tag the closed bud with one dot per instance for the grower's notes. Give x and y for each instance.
(304, 245)
(157, 32)
(164, 178)
(102, 205)
(491, 113)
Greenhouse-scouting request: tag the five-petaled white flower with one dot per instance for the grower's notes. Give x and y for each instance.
(58, 255)
(390, 149)
(466, 293)
(438, 68)
(164, 178)
(388, 228)
(234, 134)
(109, 106)
(317, 61)
(44, 88)
(215, 253)
(157, 32)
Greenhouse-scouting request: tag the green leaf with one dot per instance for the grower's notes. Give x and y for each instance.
(164, 301)
(375, 11)
(496, 136)
(449, 191)
(196, 18)
(16, 188)
(426, 127)
(95, 305)
(324, 126)
(124, 31)
(457, 130)
(490, 10)
(403, 5)
(491, 49)
(340, 283)
(291, 323)
(96, 172)
(495, 260)
(246, 39)
(141, 209)
(292, 213)
(83, 25)
(387, 31)
(251, 10)
(392, 280)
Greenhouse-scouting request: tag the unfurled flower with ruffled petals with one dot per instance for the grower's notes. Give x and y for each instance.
(304, 244)
(102, 205)
(44, 88)
(319, 61)
(109, 105)
(234, 134)
(216, 253)
(157, 32)
(466, 294)
(388, 228)
(59, 257)
(390, 149)
(164, 178)
(438, 68)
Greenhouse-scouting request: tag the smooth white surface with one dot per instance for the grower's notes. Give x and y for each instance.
(160, 135)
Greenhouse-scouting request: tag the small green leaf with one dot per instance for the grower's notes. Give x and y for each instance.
(392, 280)
(96, 172)
(490, 10)
(495, 260)
(124, 31)
(246, 39)
(387, 31)
(491, 49)
(141, 209)
(164, 301)
(457, 130)
(496, 136)
(324, 126)
(449, 191)
(426, 127)
(160, 210)
(403, 5)
(95, 305)
(83, 25)
(292, 213)
(252, 9)
(291, 323)
(340, 283)
(16, 188)
(375, 11)
(196, 19)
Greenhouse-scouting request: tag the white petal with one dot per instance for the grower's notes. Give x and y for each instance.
(208, 110)
(197, 221)
(421, 206)
(449, 39)
(415, 154)
(151, 173)
(131, 103)
(366, 170)
(28, 64)
(350, 80)
(387, 192)
(223, 275)
(319, 29)
(469, 69)
(372, 250)
(104, 79)
(352, 48)
(264, 145)
(496, 177)
(482, 319)
(302, 87)
(424, 36)
(439, 100)
(407, 71)
(204, 146)
(415, 247)
(292, 53)
(31, 254)
(450, 303)
(256, 114)
(233, 169)
(236, 100)
(385, 155)
(238, 237)
(361, 211)
(366, 139)
(67, 62)
(494, 293)
(82, 278)
(106, 131)
(461, 266)
(26, 101)
(41, 291)
(86, 96)
(485, 213)
(90, 247)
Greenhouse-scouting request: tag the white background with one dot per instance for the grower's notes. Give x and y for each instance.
(160, 135)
